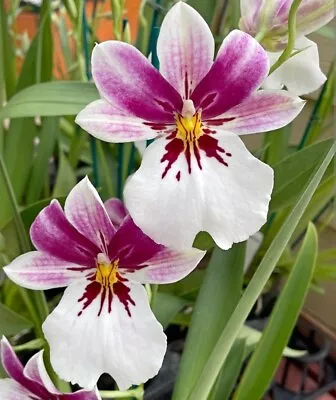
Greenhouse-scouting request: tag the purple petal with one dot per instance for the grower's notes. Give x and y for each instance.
(104, 122)
(116, 211)
(168, 266)
(36, 371)
(313, 14)
(185, 48)
(131, 246)
(239, 69)
(11, 390)
(263, 111)
(52, 233)
(127, 80)
(86, 212)
(39, 271)
(14, 369)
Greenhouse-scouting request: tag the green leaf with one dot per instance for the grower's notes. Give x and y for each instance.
(293, 173)
(276, 143)
(324, 193)
(230, 372)
(167, 306)
(219, 294)
(7, 55)
(187, 286)
(229, 334)
(11, 322)
(51, 99)
(40, 169)
(252, 337)
(268, 353)
(20, 137)
(66, 177)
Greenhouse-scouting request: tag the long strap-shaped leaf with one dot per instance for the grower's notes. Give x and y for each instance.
(211, 369)
(268, 353)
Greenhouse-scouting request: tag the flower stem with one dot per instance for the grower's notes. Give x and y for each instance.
(116, 394)
(291, 36)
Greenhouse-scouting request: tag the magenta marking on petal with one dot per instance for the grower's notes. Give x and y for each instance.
(211, 148)
(91, 292)
(122, 291)
(173, 150)
(155, 126)
(219, 122)
(178, 176)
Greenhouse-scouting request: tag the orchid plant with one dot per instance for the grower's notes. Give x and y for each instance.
(167, 235)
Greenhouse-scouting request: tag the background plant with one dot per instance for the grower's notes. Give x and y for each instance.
(43, 153)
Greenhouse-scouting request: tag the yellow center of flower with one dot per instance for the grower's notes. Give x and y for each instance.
(106, 273)
(189, 129)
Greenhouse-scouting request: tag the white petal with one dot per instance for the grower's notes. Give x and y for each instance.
(230, 202)
(301, 74)
(86, 212)
(11, 390)
(129, 348)
(185, 48)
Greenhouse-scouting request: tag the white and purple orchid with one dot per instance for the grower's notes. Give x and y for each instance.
(103, 322)
(197, 175)
(301, 74)
(32, 381)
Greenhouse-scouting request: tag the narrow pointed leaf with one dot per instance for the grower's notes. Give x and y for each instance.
(231, 331)
(268, 353)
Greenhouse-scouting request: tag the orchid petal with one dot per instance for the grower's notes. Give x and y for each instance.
(104, 122)
(35, 370)
(223, 87)
(228, 201)
(168, 266)
(301, 74)
(52, 233)
(86, 212)
(250, 12)
(185, 48)
(263, 111)
(116, 211)
(14, 369)
(119, 68)
(131, 246)
(40, 271)
(313, 14)
(10, 360)
(128, 345)
(11, 390)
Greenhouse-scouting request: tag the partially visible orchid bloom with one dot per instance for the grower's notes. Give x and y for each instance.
(268, 20)
(32, 381)
(103, 322)
(197, 175)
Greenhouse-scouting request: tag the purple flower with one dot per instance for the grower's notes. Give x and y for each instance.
(103, 322)
(197, 175)
(32, 381)
(301, 74)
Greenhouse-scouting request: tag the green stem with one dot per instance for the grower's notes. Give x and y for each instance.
(291, 36)
(154, 289)
(116, 394)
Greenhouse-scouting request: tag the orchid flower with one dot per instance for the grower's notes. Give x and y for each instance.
(103, 322)
(301, 74)
(32, 381)
(197, 175)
